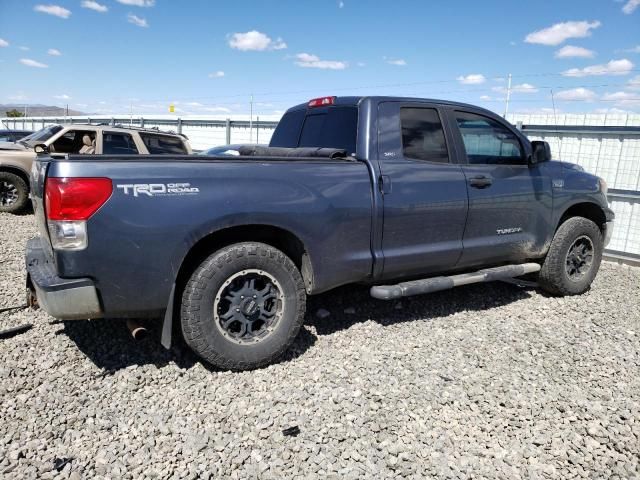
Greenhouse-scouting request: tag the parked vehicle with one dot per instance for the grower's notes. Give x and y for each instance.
(16, 158)
(13, 135)
(407, 195)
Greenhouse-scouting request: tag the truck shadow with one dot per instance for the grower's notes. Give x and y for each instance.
(109, 345)
(349, 306)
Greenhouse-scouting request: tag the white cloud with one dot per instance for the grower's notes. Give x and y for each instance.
(54, 52)
(340, 4)
(485, 97)
(218, 74)
(136, 20)
(398, 62)
(216, 109)
(55, 10)
(569, 51)
(634, 83)
(256, 41)
(361, 64)
(524, 88)
(635, 49)
(64, 96)
(623, 99)
(32, 63)
(91, 5)
(558, 33)
(576, 94)
(19, 96)
(3, 43)
(308, 60)
(194, 104)
(614, 67)
(138, 3)
(520, 88)
(82, 105)
(24, 49)
(472, 79)
(630, 6)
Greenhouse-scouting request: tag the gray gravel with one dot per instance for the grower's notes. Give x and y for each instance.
(483, 381)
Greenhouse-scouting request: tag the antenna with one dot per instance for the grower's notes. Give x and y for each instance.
(555, 121)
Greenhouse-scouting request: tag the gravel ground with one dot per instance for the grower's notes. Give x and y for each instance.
(488, 380)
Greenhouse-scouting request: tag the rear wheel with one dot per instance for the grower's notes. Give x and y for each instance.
(573, 259)
(243, 306)
(14, 193)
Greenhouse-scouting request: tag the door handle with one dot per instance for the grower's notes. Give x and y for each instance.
(480, 182)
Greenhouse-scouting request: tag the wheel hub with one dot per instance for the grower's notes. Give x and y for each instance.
(8, 193)
(248, 306)
(579, 258)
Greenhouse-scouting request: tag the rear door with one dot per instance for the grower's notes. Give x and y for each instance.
(424, 190)
(510, 201)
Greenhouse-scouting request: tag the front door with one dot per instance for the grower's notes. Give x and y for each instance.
(510, 201)
(424, 192)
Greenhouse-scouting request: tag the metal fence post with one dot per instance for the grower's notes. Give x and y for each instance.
(179, 125)
(141, 122)
(228, 131)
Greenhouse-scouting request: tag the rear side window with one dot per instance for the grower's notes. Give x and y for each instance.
(159, 144)
(118, 144)
(488, 142)
(422, 135)
(334, 127)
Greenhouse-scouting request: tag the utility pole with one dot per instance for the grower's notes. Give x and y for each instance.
(251, 119)
(506, 106)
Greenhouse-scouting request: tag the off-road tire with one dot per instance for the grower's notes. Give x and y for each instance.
(206, 339)
(20, 204)
(553, 276)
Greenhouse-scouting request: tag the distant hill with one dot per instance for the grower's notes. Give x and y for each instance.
(37, 110)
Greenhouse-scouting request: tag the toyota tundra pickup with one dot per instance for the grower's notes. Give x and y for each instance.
(407, 195)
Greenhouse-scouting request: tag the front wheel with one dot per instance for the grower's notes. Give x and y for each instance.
(243, 306)
(573, 259)
(14, 193)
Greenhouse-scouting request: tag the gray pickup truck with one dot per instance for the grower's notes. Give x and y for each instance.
(407, 195)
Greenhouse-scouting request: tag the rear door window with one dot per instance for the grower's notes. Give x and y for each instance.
(118, 144)
(162, 144)
(422, 135)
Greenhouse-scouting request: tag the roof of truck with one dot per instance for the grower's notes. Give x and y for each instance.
(354, 101)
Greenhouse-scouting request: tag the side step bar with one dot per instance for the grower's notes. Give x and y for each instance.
(435, 284)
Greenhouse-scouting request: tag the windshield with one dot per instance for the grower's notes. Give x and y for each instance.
(41, 135)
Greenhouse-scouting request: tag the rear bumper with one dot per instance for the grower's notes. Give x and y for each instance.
(62, 298)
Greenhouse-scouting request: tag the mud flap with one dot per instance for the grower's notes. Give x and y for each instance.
(167, 324)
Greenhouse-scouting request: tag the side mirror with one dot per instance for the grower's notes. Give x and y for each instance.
(541, 152)
(41, 148)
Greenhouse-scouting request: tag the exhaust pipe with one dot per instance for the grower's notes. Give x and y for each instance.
(138, 332)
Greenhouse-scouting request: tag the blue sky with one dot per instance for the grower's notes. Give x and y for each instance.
(110, 56)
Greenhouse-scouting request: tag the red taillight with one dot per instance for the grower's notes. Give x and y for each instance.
(75, 198)
(321, 102)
